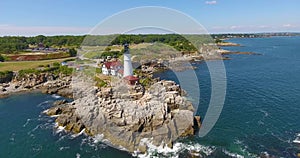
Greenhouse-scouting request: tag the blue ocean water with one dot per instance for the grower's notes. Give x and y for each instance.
(262, 106)
(260, 114)
(27, 133)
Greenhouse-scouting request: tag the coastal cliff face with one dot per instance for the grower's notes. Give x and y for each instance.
(160, 115)
(46, 82)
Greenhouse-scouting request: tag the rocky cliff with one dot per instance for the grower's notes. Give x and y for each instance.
(161, 114)
(47, 82)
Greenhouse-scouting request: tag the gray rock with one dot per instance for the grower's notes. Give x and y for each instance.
(160, 114)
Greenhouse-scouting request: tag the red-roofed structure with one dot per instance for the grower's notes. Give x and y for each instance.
(131, 80)
(111, 68)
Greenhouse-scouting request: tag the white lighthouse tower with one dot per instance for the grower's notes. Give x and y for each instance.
(128, 70)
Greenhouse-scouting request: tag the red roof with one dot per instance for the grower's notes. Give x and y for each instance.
(112, 64)
(131, 78)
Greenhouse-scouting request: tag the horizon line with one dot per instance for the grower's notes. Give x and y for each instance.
(220, 33)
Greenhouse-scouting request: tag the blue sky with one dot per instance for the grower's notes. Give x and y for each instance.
(51, 17)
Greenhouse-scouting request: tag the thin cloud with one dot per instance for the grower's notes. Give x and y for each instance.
(289, 26)
(211, 2)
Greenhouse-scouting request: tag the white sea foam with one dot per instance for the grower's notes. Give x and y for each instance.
(245, 153)
(34, 129)
(266, 114)
(195, 149)
(59, 129)
(64, 148)
(54, 116)
(26, 123)
(297, 141)
(232, 154)
(55, 96)
(77, 155)
(78, 134)
(45, 111)
(266, 154)
(98, 138)
(43, 103)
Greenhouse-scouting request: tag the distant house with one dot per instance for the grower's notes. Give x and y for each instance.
(41, 45)
(111, 68)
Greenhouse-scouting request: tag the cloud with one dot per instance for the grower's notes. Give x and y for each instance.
(8, 30)
(211, 2)
(289, 26)
(234, 27)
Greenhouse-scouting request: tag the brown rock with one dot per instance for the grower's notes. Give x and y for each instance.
(197, 122)
(54, 111)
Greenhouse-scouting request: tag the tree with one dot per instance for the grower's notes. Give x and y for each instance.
(72, 52)
(1, 58)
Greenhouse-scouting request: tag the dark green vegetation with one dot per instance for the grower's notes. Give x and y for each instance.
(10, 45)
(115, 54)
(13, 44)
(6, 76)
(55, 68)
(72, 52)
(179, 42)
(1, 58)
(99, 82)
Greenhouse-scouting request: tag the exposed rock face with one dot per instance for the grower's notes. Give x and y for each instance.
(47, 82)
(161, 114)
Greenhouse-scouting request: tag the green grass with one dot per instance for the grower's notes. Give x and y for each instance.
(91, 55)
(22, 65)
(99, 82)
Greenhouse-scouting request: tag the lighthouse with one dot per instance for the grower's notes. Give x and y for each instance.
(128, 70)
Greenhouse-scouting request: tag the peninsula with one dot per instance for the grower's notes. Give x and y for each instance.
(121, 102)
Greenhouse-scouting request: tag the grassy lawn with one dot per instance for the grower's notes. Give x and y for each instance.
(91, 55)
(21, 65)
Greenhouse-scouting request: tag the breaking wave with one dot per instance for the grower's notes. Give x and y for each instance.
(297, 140)
(56, 96)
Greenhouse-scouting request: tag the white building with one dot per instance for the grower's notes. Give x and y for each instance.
(128, 70)
(111, 68)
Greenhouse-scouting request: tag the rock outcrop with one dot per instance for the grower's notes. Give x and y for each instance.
(161, 114)
(46, 82)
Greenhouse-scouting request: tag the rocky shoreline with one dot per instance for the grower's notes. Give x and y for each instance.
(43, 82)
(125, 116)
(227, 44)
(161, 115)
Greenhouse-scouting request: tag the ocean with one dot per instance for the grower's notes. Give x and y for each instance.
(260, 113)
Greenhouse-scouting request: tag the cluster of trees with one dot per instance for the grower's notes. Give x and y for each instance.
(55, 68)
(177, 41)
(13, 44)
(72, 52)
(6, 76)
(1, 58)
